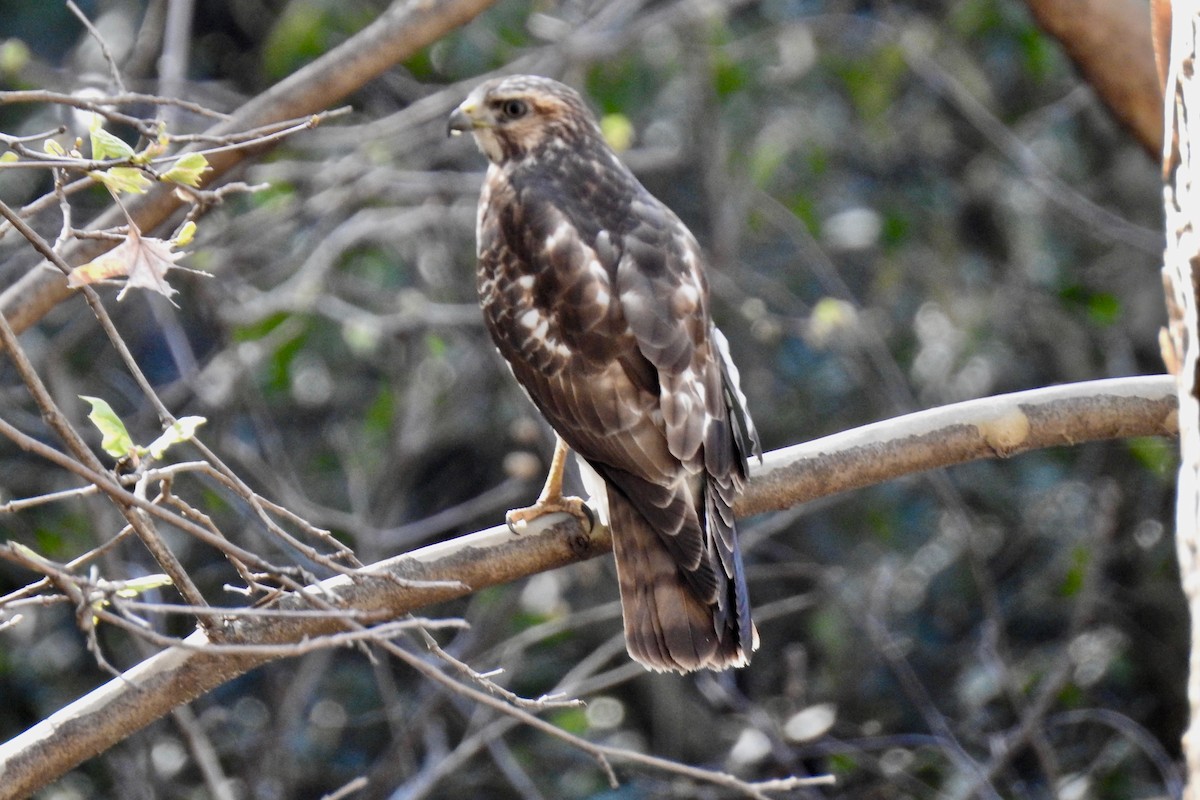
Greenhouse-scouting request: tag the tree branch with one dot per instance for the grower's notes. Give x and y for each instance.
(402, 30)
(990, 427)
(1110, 43)
(996, 426)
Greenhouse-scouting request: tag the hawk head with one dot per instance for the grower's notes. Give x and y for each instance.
(520, 115)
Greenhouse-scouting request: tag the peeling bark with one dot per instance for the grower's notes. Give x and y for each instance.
(1181, 278)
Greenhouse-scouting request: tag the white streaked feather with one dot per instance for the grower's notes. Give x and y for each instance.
(596, 488)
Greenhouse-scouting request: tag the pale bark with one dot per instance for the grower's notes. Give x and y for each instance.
(1180, 277)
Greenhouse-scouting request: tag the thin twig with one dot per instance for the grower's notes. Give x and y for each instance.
(58, 422)
(165, 416)
(603, 754)
(114, 72)
(98, 104)
(485, 681)
(115, 490)
(356, 785)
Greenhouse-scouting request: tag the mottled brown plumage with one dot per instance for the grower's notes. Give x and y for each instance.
(595, 294)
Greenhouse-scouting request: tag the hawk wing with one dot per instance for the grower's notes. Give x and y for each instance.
(596, 297)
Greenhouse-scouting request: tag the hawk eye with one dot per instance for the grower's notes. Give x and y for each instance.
(514, 109)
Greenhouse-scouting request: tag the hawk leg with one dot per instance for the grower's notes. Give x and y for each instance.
(551, 499)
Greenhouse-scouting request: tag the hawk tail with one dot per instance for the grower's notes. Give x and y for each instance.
(667, 626)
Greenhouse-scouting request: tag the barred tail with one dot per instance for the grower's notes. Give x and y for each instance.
(667, 625)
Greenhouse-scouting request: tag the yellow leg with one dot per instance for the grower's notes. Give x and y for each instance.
(551, 499)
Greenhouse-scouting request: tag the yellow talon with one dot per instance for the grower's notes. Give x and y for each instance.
(551, 499)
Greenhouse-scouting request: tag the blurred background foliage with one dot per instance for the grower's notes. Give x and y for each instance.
(905, 204)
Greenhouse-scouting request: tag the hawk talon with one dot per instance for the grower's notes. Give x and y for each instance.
(518, 518)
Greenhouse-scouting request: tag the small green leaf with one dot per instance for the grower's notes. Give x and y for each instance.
(843, 764)
(182, 430)
(106, 146)
(1038, 52)
(361, 337)
(1158, 455)
(54, 148)
(765, 161)
(9, 157)
(185, 235)
(728, 75)
(135, 586)
(187, 170)
(1073, 581)
(152, 150)
(572, 720)
(14, 55)
(1104, 308)
(128, 589)
(831, 319)
(617, 130)
(123, 179)
(115, 441)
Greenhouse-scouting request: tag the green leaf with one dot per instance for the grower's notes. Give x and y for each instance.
(14, 55)
(106, 146)
(300, 34)
(572, 720)
(617, 130)
(115, 441)
(1104, 308)
(155, 148)
(9, 157)
(1073, 581)
(874, 83)
(620, 85)
(895, 228)
(129, 588)
(1038, 52)
(187, 170)
(123, 179)
(135, 586)
(1156, 454)
(436, 344)
(830, 320)
(182, 430)
(185, 235)
(843, 764)
(728, 75)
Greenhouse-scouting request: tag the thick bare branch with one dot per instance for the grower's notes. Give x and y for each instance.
(990, 427)
(1110, 43)
(998, 426)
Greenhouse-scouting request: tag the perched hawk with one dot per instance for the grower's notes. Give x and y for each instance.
(595, 294)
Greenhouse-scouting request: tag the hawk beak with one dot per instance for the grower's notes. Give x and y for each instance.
(462, 120)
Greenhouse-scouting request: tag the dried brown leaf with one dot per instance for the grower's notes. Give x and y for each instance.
(142, 260)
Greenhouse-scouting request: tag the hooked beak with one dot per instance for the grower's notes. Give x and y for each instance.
(463, 120)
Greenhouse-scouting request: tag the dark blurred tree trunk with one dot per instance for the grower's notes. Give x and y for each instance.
(1109, 41)
(1181, 278)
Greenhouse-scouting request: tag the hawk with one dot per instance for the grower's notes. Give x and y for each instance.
(594, 293)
